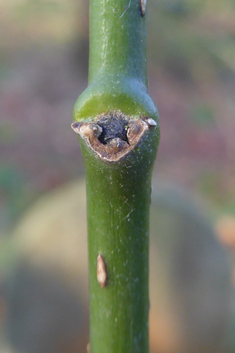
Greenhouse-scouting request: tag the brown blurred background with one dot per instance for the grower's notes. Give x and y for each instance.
(43, 68)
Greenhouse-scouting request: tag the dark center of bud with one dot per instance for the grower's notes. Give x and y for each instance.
(113, 127)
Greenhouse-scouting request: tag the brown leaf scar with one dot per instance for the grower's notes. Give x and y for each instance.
(113, 135)
(102, 276)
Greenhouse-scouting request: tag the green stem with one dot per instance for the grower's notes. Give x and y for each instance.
(118, 61)
(117, 40)
(118, 198)
(117, 123)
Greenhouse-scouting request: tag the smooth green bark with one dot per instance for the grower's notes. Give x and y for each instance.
(118, 193)
(118, 209)
(117, 40)
(117, 61)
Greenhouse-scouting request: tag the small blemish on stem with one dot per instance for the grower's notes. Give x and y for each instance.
(102, 276)
(143, 4)
(151, 122)
(88, 349)
(126, 8)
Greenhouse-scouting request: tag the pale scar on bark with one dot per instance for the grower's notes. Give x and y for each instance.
(88, 349)
(112, 136)
(143, 4)
(102, 275)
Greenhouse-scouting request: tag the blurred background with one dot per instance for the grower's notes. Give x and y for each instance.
(43, 69)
